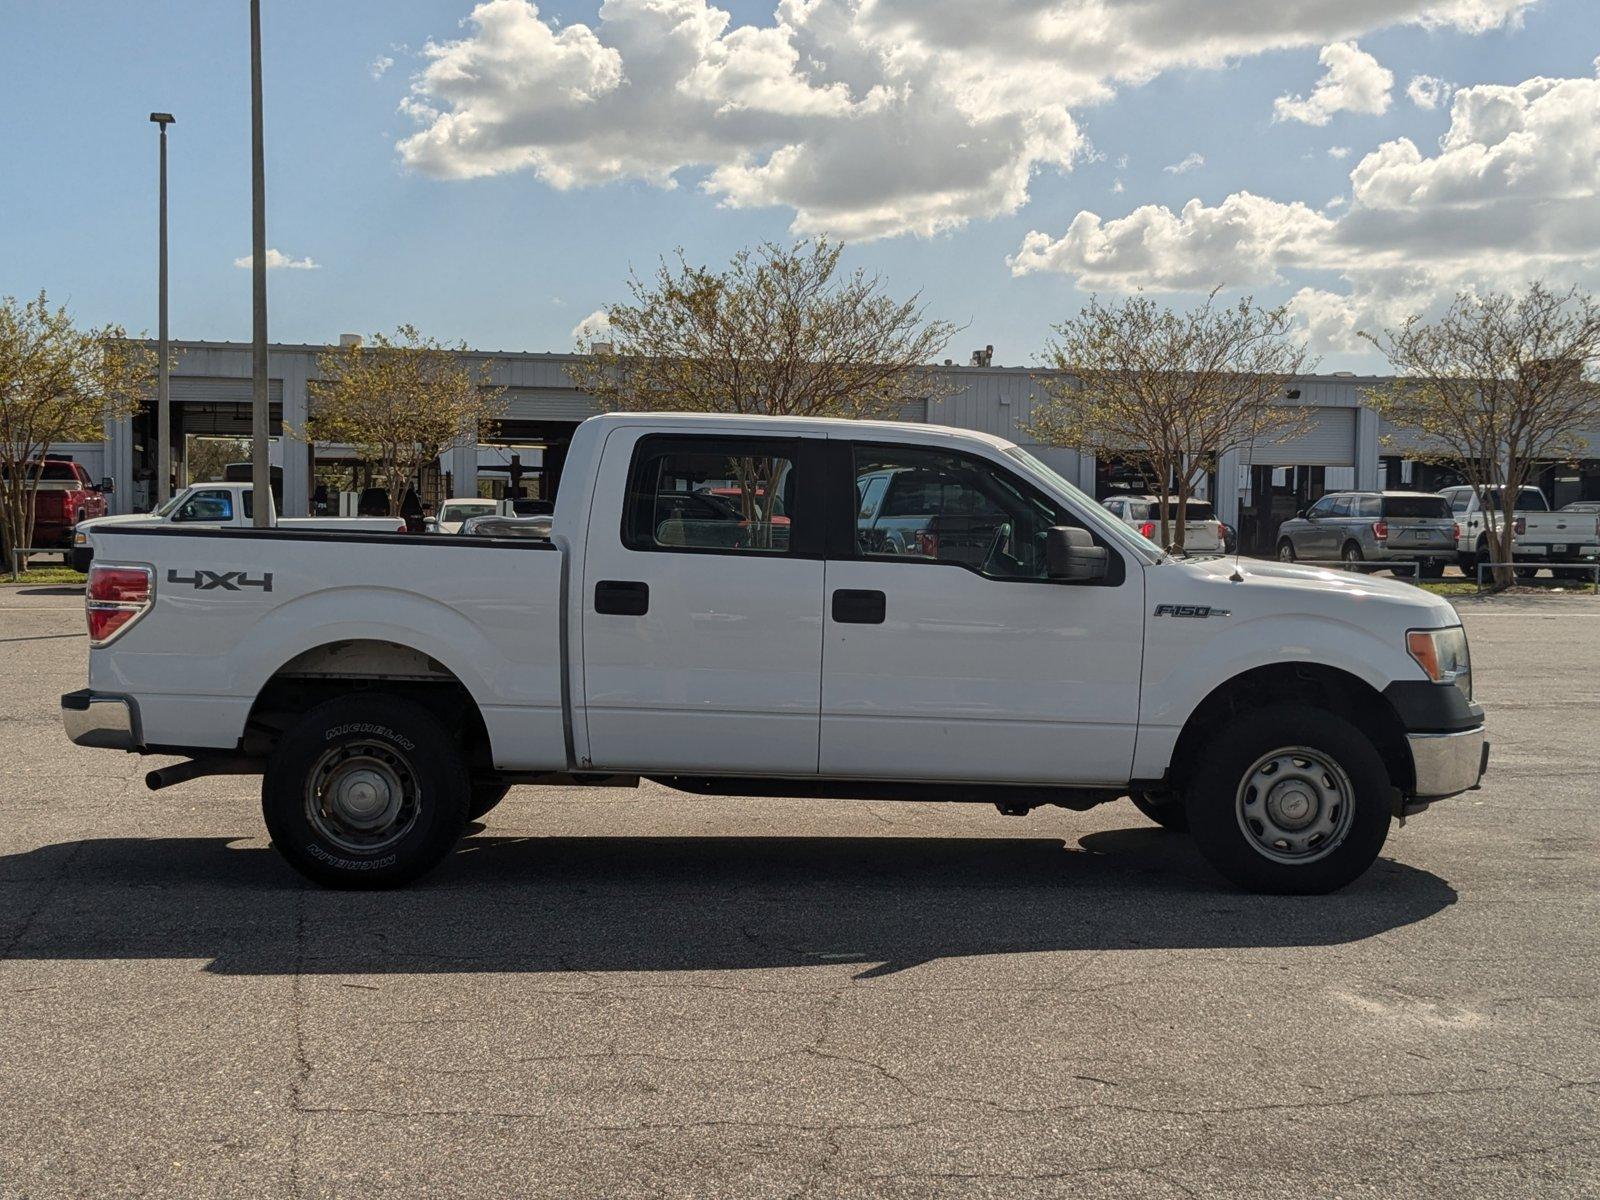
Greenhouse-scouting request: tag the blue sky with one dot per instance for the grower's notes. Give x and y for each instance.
(506, 260)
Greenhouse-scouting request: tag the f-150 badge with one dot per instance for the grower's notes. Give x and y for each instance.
(1191, 610)
(228, 581)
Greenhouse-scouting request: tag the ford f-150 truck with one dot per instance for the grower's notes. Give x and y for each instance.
(1539, 537)
(1027, 650)
(216, 505)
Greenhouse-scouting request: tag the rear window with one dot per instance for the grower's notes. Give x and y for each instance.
(52, 470)
(1528, 500)
(1416, 506)
(1199, 510)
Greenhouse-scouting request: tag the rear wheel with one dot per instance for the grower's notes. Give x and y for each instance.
(1166, 811)
(1289, 800)
(1285, 550)
(1351, 552)
(366, 791)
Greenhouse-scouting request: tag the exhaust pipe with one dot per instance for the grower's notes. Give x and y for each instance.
(197, 768)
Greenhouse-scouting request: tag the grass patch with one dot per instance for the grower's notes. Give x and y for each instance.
(1449, 587)
(44, 576)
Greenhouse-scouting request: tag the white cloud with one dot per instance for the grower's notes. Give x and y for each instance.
(379, 66)
(1339, 152)
(1427, 91)
(1510, 194)
(1353, 81)
(863, 119)
(596, 325)
(1116, 187)
(1335, 202)
(277, 260)
(1189, 162)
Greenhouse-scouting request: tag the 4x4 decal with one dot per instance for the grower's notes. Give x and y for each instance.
(229, 581)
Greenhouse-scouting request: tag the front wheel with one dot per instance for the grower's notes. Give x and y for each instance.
(1286, 551)
(367, 791)
(1289, 800)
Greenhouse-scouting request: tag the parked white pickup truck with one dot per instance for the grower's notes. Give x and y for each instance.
(216, 506)
(1023, 648)
(1540, 537)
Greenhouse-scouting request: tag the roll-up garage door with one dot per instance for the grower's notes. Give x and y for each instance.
(547, 404)
(197, 389)
(1329, 442)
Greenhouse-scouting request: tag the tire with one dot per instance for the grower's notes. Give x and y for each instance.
(1346, 783)
(1285, 551)
(365, 747)
(484, 798)
(1431, 568)
(1169, 815)
(1351, 552)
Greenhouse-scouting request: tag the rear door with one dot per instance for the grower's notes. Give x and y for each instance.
(1420, 525)
(702, 604)
(948, 655)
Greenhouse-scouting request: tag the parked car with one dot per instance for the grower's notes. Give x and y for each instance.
(452, 513)
(63, 497)
(1373, 526)
(495, 525)
(1540, 537)
(217, 505)
(1202, 532)
(388, 689)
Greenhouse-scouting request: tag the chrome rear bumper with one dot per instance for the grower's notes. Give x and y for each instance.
(104, 721)
(1448, 763)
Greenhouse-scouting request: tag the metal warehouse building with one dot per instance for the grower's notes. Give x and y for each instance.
(1346, 444)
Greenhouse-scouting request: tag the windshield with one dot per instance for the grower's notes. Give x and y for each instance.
(461, 510)
(177, 499)
(1088, 511)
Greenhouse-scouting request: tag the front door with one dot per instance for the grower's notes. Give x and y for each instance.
(702, 605)
(947, 653)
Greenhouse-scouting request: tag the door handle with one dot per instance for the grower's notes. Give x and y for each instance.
(851, 607)
(622, 597)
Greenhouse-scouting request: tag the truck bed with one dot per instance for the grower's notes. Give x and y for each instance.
(236, 607)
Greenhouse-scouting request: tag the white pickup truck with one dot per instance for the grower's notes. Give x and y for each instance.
(1540, 536)
(1022, 648)
(216, 506)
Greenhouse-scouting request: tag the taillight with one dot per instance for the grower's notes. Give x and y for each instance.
(1148, 530)
(927, 543)
(1456, 526)
(1520, 525)
(116, 597)
(1380, 530)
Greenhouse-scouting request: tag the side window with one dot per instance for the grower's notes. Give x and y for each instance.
(869, 495)
(206, 506)
(1341, 506)
(1369, 506)
(952, 508)
(1460, 502)
(733, 495)
(1322, 508)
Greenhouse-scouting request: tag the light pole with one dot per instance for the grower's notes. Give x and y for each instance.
(163, 384)
(260, 468)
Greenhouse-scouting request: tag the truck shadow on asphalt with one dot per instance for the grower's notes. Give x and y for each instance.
(603, 904)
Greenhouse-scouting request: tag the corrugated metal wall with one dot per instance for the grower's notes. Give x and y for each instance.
(203, 389)
(1331, 442)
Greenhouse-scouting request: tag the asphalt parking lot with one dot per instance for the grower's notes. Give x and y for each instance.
(650, 994)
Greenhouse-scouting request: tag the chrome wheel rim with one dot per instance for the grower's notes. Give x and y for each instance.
(1286, 553)
(362, 797)
(1295, 805)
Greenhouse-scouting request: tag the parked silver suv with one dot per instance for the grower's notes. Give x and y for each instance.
(1380, 526)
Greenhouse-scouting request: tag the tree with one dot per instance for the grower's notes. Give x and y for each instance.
(1499, 386)
(58, 383)
(399, 402)
(1170, 391)
(780, 332)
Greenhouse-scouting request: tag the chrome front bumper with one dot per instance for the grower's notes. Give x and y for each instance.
(100, 720)
(1448, 763)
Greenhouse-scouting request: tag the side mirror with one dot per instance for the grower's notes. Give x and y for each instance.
(1299, 514)
(108, 485)
(1071, 556)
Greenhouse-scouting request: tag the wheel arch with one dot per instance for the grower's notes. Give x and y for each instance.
(377, 665)
(1317, 684)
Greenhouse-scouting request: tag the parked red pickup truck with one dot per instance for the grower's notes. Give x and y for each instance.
(63, 496)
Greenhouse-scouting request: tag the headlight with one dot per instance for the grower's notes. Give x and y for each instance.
(1443, 654)
(80, 539)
